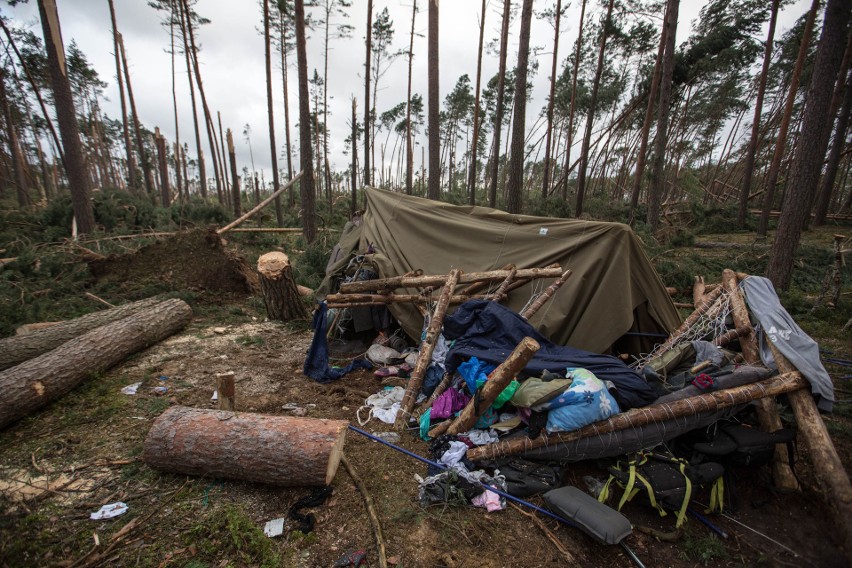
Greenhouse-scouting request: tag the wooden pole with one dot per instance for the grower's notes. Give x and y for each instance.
(698, 292)
(498, 380)
(225, 390)
(708, 402)
(260, 205)
(427, 347)
(767, 412)
(419, 281)
(501, 292)
(545, 296)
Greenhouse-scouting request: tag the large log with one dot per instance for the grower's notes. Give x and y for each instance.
(767, 412)
(634, 417)
(36, 382)
(498, 380)
(427, 347)
(260, 205)
(278, 450)
(280, 293)
(466, 278)
(17, 349)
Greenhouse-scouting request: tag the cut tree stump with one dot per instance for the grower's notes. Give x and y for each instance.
(17, 349)
(36, 382)
(278, 450)
(280, 292)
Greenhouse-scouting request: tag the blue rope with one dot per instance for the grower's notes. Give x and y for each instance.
(484, 485)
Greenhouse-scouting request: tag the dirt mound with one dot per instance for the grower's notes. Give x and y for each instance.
(190, 260)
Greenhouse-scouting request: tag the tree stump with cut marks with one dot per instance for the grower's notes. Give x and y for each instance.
(280, 293)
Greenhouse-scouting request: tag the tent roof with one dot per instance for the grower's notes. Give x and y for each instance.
(613, 289)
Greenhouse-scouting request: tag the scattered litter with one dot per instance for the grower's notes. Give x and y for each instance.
(131, 389)
(294, 409)
(275, 527)
(160, 390)
(352, 558)
(215, 396)
(384, 405)
(380, 354)
(109, 511)
(392, 437)
(162, 378)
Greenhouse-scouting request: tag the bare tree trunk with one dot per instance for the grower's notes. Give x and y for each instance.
(474, 148)
(501, 88)
(131, 163)
(646, 125)
(516, 155)
(545, 181)
(751, 151)
(165, 190)
(658, 174)
(409, 144)
(222, 143)
(434, 105)
(781, 137)
(306, 186)
(833, 162)
(590, 117)
(279, 214)
(18, 164)
(354, 169)
(75, 165)
(172, 19)
(570, 141)
(235, 179)
(815, 131)
(144, 159)
(291, 195)
(367, 180)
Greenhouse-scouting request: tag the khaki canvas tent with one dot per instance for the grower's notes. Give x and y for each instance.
(614, 288)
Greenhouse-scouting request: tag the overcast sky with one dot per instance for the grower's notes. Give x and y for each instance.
(232, 58)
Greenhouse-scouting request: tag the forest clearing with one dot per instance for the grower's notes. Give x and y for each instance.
(613, 330)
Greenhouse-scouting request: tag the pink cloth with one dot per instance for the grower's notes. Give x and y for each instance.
(489, 500)
(450, 402)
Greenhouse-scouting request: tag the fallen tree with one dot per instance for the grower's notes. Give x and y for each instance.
(278, 450)
(40, 380)
(19, 348)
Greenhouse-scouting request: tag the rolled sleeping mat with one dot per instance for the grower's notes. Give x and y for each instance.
(599, 521)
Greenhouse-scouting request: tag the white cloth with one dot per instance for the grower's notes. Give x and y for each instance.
(454, 454)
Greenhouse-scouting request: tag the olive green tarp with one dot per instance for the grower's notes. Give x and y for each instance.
(613, 289)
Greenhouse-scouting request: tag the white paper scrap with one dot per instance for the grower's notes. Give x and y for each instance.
(274, 528)
(109, 511)
(131, 389)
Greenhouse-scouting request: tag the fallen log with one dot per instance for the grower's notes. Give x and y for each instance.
(278, 450)
(427, 347)
(14, 350)
(498, 380)
(481, 285)
(36, 382)
(545, 296)
(391, 298)
(634, 417)
(260, 205)
(500, 294)
(281, 296)
(466, 278)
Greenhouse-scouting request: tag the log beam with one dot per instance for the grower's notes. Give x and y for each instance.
(545, 296)
(466, 278)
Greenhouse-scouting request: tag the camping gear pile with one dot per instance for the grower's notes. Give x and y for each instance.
(494, 386)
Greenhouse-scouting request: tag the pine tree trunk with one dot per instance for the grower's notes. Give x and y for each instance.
(658, 174)
(434, 105)
(501, 91)
(14, 146)
(165, 190)
(148, 175)
(75, 165)
(827, 184)
(516, 154)
(291, 195)
(569, 142)
(279, 214)
(38, 381)
(178, 177)
(816, 123)
(202, 167)
(128, 147)
(590, 117)
(545, 182)
(409, 145)
(278, 450)
(751, 151)
(354, 167)
(306, 187)
(781, 137)
(235, 178)
(369, 42)
(280, 293)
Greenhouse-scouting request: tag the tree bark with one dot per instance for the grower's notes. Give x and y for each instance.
(409, 144)
(827, 183)
(569, 141)
(17, 349)
(464, 278)
(226, 391)
(202, 169)
(367, 59)
(545, 296)
(75, 165)
(18, 163)
(147, 174)
(165, 189)
(353, 205)
(545, 182)
(816, 124)
(235, 178)
(276, 184)
(781, 137)
(291, 196)
(516, 154)
(38, 381)
(590, 117)
(280, 294)
(128, 147)
(474, 149)
(277, 450)
(751, 151)
(636, 417)
(306, 187)
(434, 105)
(501, 91)
(498, 380)
(658, 173)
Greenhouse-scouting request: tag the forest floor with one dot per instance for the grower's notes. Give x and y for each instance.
(84, 450)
